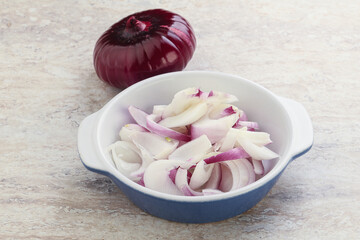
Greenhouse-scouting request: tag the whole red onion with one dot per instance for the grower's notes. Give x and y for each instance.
(143, 45)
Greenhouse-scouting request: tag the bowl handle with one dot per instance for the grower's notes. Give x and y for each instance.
(86, 145)
(303, 135)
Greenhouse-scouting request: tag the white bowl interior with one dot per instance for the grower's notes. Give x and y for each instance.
(259, 104)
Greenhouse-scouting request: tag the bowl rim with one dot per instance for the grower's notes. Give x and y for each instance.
(112, 171)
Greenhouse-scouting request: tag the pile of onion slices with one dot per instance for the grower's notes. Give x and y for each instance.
(199, 144)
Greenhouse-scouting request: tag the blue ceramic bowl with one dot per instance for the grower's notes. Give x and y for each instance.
(286, 120)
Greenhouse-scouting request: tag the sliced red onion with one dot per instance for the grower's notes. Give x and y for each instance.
(232, 154)
(226, 181)
(215, 177)
(258, 166)
(221, 97)
(181, 182)
(192, 151)
(129, 129)
(202, 95)
(228, 111)
(141, 181)
(200, 175)
(157, 146)
(241, 174)
(138, 115)
(228, 142)
(189, 116)
(181, 101)
(159, 109)
(146, 158)
(250, 168)
(156, 177)
(125, 157)
(159, 155)
(258, 138)
(164, 131)
(214, 129)
(184, 130)
(172, 174)
(250, 125)
(199, 93)
(255, 151)
(217, 111)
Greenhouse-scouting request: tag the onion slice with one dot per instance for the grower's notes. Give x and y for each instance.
(255, 151)
(214, 129)
(258, 138)
(192, 151)
(231, 154)
(138, 115)
(241, 174)
(181, 181)
(157, 146)
(258, 166)
(229, 141)
(125, 156)
(164, 131)
(250, 125)
(157, 177)
(189, 116)
(129, 129)
(200, 175)
(215, 177)
(181, 101)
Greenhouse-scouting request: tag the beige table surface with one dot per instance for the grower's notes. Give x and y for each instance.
(305, 50)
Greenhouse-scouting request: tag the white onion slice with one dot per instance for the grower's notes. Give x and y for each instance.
(189, 116)
(258, 166)
(192, 151)
(159, 109)
(249, 125)
(214, 129)
(146, 158)
(129, 129)
(125, 156)
(228, 142)
(200, 175)
(221, 97)
(157, 177)
(164, 131)
(255, 151)
(138, 115)
(157, 146)
(258, 138)
(182, 183)
(181, 101)
(241, 174)
(214, 180)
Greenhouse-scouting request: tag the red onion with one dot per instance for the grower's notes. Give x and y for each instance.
(143, 45)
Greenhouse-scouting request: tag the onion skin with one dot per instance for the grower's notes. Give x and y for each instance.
(143, 45)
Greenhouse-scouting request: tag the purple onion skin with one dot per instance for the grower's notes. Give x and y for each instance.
(143, 45)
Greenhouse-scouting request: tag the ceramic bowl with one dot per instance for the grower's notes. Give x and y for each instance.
(286, 120)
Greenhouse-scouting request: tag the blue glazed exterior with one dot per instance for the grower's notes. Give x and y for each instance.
(193, 212)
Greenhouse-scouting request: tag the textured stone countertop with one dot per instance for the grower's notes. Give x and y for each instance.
(305, 50)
